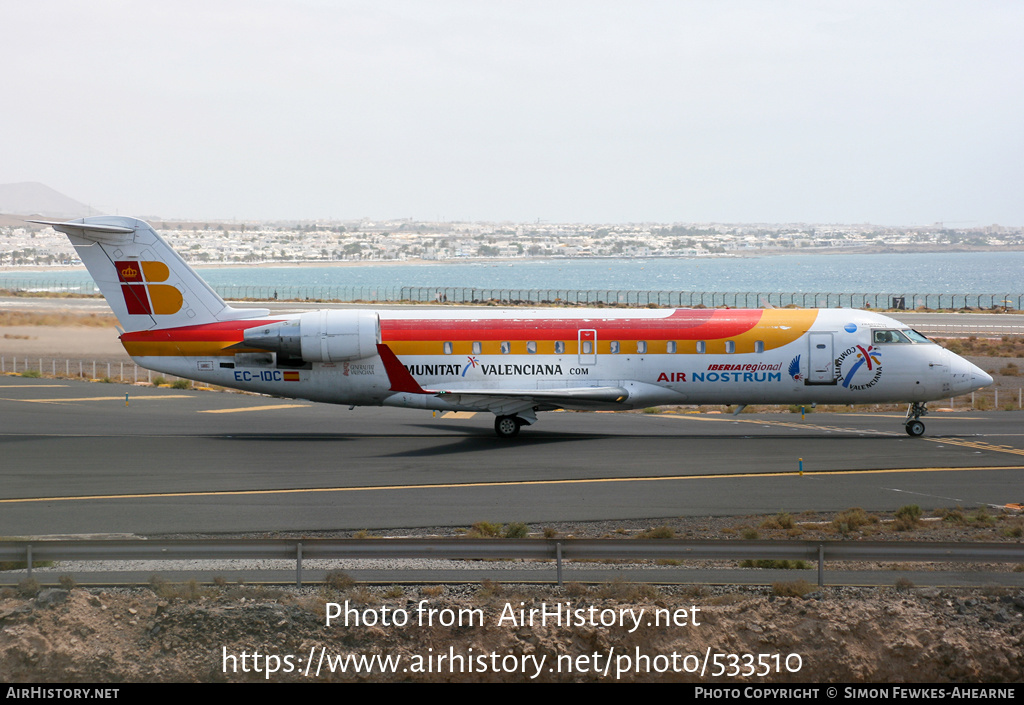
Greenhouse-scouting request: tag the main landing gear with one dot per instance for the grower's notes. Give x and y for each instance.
(507, 426)
(914, 425)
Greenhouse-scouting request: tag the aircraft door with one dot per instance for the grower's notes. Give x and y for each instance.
(587, 339)
(821, 360)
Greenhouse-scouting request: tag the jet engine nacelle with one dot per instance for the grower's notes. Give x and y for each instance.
(320, 336)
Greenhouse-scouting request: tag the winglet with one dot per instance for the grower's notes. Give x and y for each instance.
(401, 380)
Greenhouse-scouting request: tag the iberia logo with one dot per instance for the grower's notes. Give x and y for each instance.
(143, 294)
(858, 358)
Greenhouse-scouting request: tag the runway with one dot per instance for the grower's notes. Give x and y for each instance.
(75, 459)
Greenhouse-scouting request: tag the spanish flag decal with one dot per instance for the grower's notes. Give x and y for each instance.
(291, 376)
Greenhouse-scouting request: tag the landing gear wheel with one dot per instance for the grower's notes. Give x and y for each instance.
(914, 425)
(507, 426)
(915, 428)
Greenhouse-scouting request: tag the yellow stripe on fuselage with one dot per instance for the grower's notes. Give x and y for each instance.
(777, 327)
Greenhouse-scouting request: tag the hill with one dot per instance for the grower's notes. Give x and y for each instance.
(32, 198)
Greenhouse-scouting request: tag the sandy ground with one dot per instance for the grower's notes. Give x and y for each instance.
(74, 342)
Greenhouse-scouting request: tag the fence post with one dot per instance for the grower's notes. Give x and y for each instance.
(558, 562)
(298, 564)
(821, 565)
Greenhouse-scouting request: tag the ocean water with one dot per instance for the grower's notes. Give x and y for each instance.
(938, 273)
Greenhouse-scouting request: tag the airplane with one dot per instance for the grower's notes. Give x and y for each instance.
(513, 363)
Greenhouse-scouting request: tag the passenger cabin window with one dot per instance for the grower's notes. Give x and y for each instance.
(613, 347)
(641, 346)
(588, 347)
(477, 347)
(559, 347)
(701, 346)
(506, 347)
(447, 348)
(670, 347)
(890, 336)
(759, 346)
(531, 347)
(730, 346)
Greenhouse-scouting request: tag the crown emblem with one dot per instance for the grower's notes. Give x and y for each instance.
(129, 272)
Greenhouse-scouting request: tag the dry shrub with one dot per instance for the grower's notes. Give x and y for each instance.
(795, 588)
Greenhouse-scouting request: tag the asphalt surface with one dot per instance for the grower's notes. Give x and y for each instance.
(75, 459)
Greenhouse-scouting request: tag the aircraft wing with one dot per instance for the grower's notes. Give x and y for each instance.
(500, 401)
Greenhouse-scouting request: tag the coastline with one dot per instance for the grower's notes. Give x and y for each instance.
(496, 261)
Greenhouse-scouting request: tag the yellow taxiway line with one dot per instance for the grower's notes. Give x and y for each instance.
(507, 483)
(963, 442)
(270, 407)
(120, 398)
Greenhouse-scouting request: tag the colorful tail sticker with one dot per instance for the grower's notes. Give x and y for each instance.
(142, 294)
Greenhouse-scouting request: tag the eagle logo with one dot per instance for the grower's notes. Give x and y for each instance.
(794, 369)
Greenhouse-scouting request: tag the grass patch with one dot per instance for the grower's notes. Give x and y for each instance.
(908, 517)
(516, 530)
(29, 587)
(165, 589)
(495, 530)
(782, 520)
(795, 588)
(660, 532)
(489, 589)
(339, 580)
(903, 585)
(854, 519)
(775, 564)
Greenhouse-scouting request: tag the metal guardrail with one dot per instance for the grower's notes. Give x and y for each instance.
(621, 297)
(557, 550)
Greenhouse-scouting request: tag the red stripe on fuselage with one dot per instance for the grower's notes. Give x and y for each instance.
(680, 325)
(208, 332)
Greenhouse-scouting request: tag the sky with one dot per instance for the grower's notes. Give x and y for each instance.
(894, 113)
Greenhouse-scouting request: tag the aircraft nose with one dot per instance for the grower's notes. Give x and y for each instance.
(980, 377)
(967, 376)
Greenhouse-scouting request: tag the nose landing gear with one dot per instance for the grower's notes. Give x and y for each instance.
(914, 425)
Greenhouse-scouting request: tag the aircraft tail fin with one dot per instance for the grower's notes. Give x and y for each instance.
(146, 283)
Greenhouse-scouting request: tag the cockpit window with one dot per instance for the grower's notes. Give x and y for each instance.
(915, 336)
(890, 336)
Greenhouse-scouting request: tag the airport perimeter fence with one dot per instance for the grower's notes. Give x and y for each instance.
(92, 370)
(591, 297)
(558, 551)
(991, 399)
